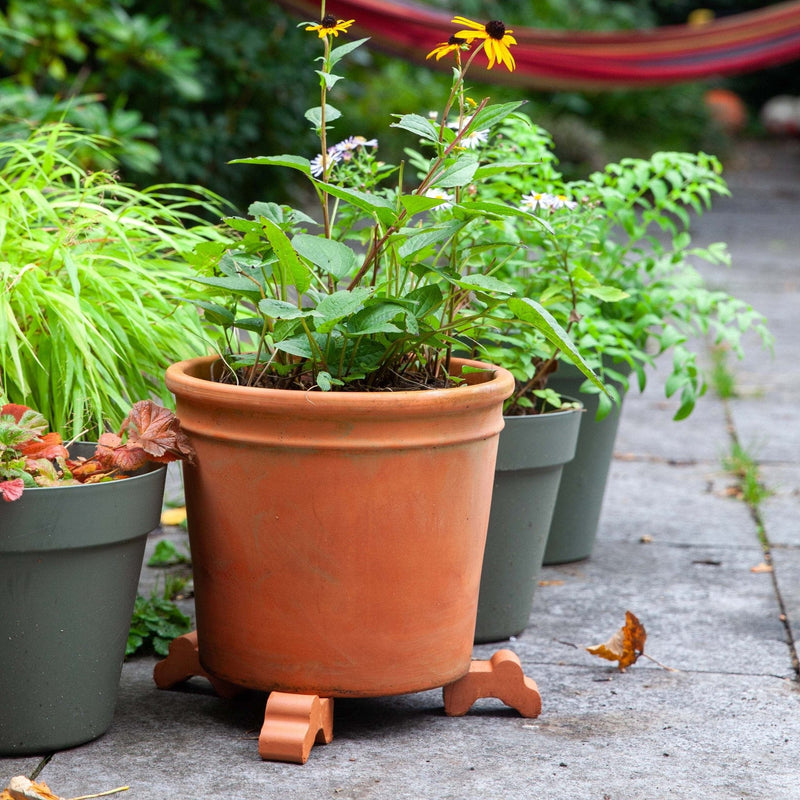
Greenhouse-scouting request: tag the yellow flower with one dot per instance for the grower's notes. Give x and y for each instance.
(497, 40)
(450, 46)
(330, 26)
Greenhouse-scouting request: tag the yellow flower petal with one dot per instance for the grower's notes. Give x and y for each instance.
(469, 23)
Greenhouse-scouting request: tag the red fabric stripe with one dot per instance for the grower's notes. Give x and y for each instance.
(588, 59)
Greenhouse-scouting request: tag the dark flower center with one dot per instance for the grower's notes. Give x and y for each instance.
(329, 21)
(495, 29)
(455, 40)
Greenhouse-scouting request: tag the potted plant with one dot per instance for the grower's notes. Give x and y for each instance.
(72, 537)
(90, 274)
(338, 509)
(615, 264)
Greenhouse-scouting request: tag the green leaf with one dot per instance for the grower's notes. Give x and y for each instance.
(426, 299)
(294, 271)
(459, 173)
(494, 114)
(314, 115)
(293, 162)
(376, 319)
(485, 283)
(237, 284)
(535, 314)
(167, 555)
(330, 79)
(416, 203)
(334, 258)
(281, 309)
(504, 167)
(215, 313)
(338, 53)
(419, 125)
(420, 238)
(609, 294)
(335, 307)
(362, 200)
(296, 346)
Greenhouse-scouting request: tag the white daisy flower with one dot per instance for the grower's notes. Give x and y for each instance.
(441, 194)
(319, 164)
(542, 200)
(472, 139)
(353, 143)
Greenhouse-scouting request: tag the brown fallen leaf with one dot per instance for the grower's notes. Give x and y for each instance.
(22, 788)
(551, 583)
(625, 646)
(762, 567)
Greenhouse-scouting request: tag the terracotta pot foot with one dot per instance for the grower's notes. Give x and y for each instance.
(183, 662)
(293, 723)
(500, 677)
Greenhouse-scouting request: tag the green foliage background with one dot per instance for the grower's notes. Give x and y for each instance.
(186, 87)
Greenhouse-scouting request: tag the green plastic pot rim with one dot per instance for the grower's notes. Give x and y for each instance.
(144, 471)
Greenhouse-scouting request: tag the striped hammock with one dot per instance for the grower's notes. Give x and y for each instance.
(549, 59)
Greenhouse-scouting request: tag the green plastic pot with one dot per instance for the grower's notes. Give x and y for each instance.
(70, 559)
(530, 458)
(573, 529)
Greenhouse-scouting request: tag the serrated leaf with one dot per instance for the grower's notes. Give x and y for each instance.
(419, 125)
(332, 257)
(459, 173)
(335, 307)
(280, 309)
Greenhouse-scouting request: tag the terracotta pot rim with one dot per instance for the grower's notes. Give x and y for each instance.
(183, 374)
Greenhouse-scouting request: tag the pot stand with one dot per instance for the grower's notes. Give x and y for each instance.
(294, 723)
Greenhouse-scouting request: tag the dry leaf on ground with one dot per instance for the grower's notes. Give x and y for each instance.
(625, 646)
(22, 788)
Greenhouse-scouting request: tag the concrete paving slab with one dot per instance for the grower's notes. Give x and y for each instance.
(767, 429)
(780, 512)
(9, 767)
(786, 562)
(673, 504)
(646, 426)
(703, 607)
(602, 734)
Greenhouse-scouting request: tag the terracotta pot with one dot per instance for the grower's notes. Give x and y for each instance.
(337, 538)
